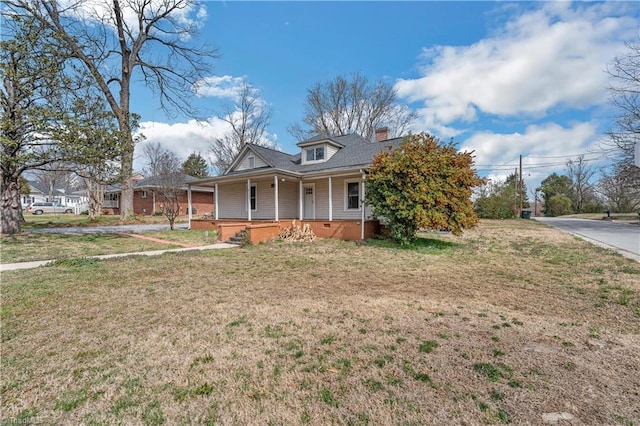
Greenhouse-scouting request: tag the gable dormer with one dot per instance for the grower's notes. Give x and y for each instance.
(318, 150)
(247, 159)
(250, 161)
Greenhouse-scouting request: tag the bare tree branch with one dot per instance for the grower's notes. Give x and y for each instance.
(248, 119)
(352, 105)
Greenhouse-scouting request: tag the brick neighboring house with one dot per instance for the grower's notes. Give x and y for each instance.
(146, 199)
(264, 190)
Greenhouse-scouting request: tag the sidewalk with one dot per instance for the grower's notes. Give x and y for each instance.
(35, 264)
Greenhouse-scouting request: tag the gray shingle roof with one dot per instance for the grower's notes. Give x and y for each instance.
(356, 152)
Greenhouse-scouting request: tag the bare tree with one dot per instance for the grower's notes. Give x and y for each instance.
(624, 90)
(248, 119)
(581, 175)
(153, 155)
(170, 182)
(352, 105)
(619, 192)
(114, 40)
(55, 176)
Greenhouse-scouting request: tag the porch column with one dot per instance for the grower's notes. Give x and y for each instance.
(215, 200)
(249, 200)
(330, 200)
(275, 186)
(301, 199)
(362, 208)
(154, 202)
(189, 203)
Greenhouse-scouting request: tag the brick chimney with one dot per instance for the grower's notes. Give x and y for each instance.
(382, 134)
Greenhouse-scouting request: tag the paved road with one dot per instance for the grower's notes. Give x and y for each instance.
(107, 229)
(623, 237)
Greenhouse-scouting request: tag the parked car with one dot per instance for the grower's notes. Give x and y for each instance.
(48, 207)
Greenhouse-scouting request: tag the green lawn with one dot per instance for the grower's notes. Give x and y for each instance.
(510, 323)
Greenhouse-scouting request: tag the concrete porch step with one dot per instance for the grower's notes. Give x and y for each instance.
(239, 238)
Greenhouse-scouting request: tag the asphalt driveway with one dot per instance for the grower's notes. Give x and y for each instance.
(622, 236)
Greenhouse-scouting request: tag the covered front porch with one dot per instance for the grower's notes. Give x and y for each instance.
(264, 203)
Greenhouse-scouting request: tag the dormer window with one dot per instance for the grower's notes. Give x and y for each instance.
(315, 154)
(252, 162)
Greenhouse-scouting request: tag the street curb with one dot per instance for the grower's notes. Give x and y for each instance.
(622, 252)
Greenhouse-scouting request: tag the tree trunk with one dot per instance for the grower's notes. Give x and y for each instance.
(11, 208)
(95, 192)
(126, 185)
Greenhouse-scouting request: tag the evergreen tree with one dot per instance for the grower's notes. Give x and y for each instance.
(554, 185)
(501, 199)
(195, 165)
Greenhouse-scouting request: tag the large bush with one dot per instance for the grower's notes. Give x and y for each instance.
(422, 184)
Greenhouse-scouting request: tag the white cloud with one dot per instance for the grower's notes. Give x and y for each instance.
(545, 58)
(181, 138)
(185, 138)
(545, 149)
(225, 86)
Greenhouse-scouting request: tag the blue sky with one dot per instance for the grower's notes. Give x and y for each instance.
(501, 78)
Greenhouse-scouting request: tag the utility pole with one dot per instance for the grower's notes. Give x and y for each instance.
(515, 198)
(521, 186)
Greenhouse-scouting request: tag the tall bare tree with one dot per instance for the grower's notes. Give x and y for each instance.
(153, 155)
(617, 191)
(117, 40)
(248, 118)
(352, 105)
(582, 192)
(624, 90)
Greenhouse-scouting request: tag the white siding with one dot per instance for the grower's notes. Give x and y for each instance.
(288, 199)
(244, 163)
(339, 208)
(232, 199)
(331, 150)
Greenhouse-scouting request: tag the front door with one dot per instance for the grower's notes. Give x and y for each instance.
(309, 201)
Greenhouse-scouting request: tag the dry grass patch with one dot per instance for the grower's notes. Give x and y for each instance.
(504, 325)
(40, 246)
(28, 247)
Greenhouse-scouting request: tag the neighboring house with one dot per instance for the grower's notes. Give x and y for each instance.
(264, 190)
(40, 193)
(147, 200)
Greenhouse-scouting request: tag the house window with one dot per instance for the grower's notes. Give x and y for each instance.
(253, 197)
(352, 195)
(143, 194)
(251, 161)
(315, 154)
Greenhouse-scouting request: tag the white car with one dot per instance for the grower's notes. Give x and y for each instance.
(48, 207)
